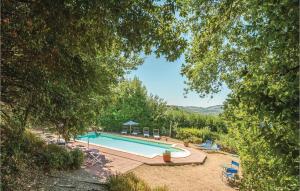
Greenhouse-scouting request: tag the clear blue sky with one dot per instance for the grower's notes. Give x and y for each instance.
(163, 78)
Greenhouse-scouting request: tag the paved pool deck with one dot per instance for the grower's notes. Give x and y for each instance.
(116, 162)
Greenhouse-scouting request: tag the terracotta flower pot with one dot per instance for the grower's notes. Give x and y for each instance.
(167, 157)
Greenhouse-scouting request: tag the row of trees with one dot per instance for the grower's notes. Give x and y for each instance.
(131, 101)
(182, 119)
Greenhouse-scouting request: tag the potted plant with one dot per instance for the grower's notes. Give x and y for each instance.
(167, 156)
(186, 142)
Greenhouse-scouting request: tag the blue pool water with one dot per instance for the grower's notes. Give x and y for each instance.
(144, 148)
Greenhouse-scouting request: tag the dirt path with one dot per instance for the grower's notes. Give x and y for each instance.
(204, 177)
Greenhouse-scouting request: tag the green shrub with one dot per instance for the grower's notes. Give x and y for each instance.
(26, 155)
(196, 140)
(49, 156)
(129, 182)
(31, 143)
(186, 119)
(195, 135)
(227, 143)
(77, 157)
(57, 157)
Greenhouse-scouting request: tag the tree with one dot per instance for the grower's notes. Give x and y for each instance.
(59, 55)
(252, 47)
(184, 119)
(130, 101)
(59, 59)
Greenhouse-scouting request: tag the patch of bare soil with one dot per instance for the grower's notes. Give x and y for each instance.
(206, 177)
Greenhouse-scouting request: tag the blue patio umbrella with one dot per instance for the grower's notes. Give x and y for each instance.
(130, 123)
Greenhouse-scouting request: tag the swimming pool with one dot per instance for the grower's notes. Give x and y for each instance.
(140, 147)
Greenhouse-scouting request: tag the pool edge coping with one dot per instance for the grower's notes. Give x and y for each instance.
(112, 148)
(188, 153)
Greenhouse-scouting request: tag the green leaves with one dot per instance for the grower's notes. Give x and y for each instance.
(250, 46)
(131, 101)
(60, 60)
(60, 55)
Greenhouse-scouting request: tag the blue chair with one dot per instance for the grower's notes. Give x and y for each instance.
(230, 174)
(208, 145)
(235, 164)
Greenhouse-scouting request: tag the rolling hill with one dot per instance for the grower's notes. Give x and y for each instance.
(212, 110)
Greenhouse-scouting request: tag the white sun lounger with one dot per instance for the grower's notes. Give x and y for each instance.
(156, 134)
(146, 132)
(136, 131)
(61, 142)
(124, 130)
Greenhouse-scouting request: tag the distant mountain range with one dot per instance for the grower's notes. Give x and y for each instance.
(212, 110)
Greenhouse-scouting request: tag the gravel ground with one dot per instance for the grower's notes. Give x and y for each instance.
(77, 180)
(206, 177)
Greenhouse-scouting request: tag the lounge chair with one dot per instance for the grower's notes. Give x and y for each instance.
(146, 132)
(136, 131)
(49, 139)
(213, 147)
(94, 157)
(156, 134)
(124, 130)
(209, 146)
(61, 142)
(206, 144)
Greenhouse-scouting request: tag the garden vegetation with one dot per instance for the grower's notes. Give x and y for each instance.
(131, 101)
(130, 182)
(34, 156)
